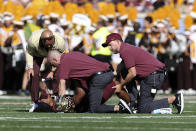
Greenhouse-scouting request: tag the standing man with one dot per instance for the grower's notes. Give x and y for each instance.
(40, 42)
(144, 67)
(75, 65)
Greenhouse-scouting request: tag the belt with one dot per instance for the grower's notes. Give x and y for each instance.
(99, 73)
(159, 71)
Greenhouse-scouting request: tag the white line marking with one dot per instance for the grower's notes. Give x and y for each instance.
(15, 97)
(99, 121)
(99, 127)
(189, 111)
(99, 118)
(191, 102)
(15, 103)
(168, 117)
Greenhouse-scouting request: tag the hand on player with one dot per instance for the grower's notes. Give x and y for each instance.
(50, 75)
(118, 88)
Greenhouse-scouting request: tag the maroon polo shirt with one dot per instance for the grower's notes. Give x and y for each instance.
(144, 62)
(79, 65)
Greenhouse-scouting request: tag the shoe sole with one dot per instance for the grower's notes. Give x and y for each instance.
(126, 106)
(33, 108)
(182, 102)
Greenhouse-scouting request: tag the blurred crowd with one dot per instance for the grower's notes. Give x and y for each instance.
(153, 25)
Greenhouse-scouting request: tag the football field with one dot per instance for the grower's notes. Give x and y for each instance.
(14, 117)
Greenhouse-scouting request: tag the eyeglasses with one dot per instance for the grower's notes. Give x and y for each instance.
(48, 38)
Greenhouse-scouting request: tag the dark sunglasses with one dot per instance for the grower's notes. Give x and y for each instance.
(48, 38)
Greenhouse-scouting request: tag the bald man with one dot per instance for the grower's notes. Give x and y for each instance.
(98, 75)
(39, 43)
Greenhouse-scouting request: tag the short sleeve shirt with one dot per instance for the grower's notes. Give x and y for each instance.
(144, 62)
(79, 65)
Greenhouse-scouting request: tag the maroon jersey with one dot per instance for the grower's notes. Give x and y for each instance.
(79, 65)
(144, 62)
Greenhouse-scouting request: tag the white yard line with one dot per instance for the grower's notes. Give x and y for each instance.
(15, 97)
(15, 103)
(189, 111)
(99, 127)
(190, 102)
(160, 116)
(100, 118)
(98, 121)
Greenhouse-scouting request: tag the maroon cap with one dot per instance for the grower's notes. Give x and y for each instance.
(112, 37)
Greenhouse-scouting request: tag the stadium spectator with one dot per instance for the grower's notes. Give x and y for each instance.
(29, 26)
(134, 36)
(54, 18)
(193, 52)
(1, 62)
(145, 40)
(6, 32)
(98, 52)
(158, 4)
(184, 69)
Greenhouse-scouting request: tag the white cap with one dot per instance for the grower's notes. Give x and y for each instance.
(29, 21)
(54, 15)
(187, 32)
(81, 19)
(129, 22)
(123, 17)
(165, 22)
(89, 29)
(190, 1)
(193, 15)
(193, 28)
(173, 30)
(193, 36)
(18, 23)
(7, 18)
(46, 17)
(7, 13)
(110, 16)
(47, 22)
(40, 16)
(154, 28)
(64, 16)
(26, 17)
(117, 14)
(160, 25)
(103, 17)
(64, 22)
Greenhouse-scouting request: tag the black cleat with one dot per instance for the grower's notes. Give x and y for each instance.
(123, 107)
(179, 102)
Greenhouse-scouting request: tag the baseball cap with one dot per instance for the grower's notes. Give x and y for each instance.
(112, 37)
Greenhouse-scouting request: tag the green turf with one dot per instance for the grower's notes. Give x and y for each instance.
(14, 117)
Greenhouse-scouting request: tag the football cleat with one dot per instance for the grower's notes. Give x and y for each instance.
(179, 102)
(123, 107)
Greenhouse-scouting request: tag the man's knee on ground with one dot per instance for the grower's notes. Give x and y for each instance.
(95, 108)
